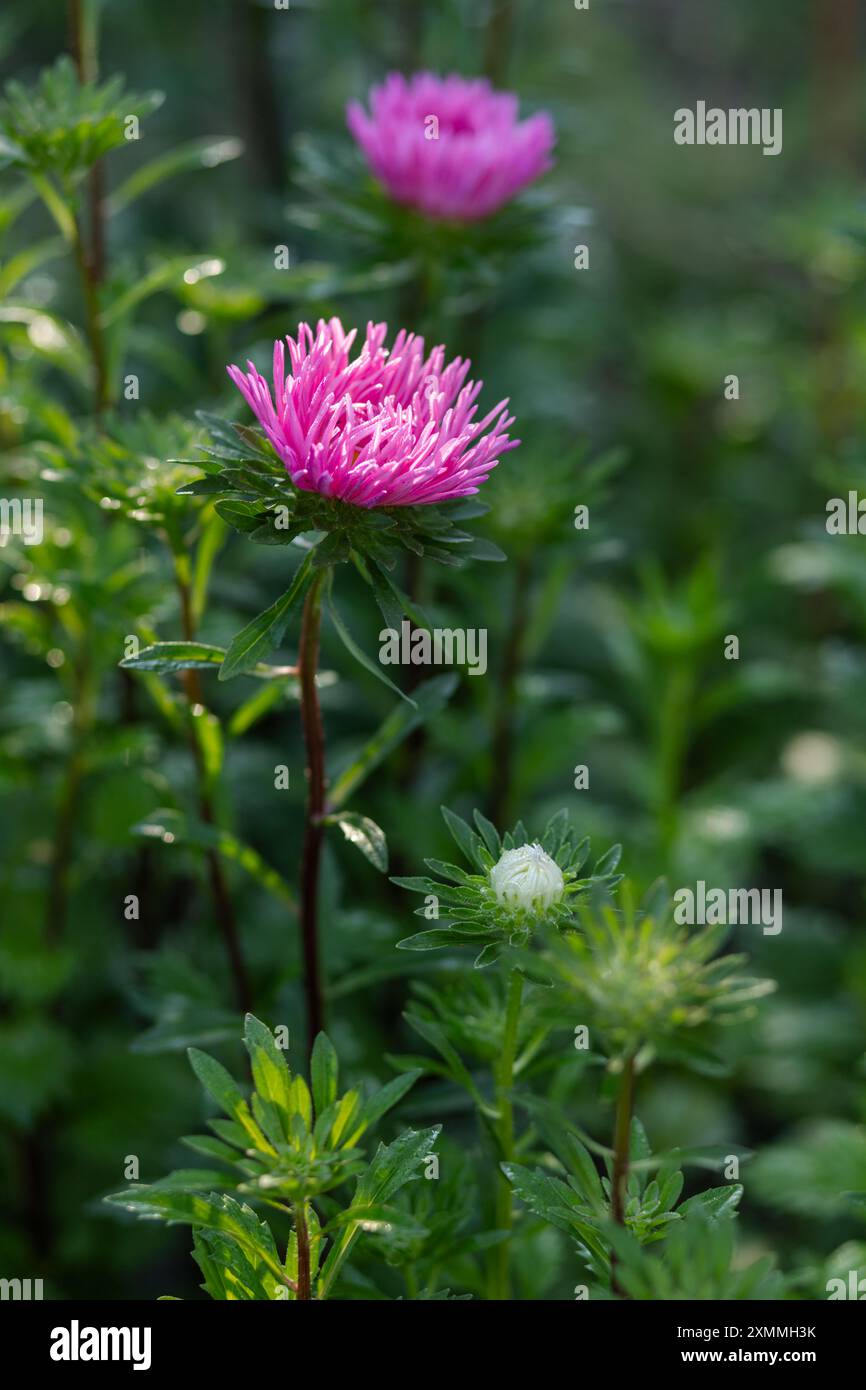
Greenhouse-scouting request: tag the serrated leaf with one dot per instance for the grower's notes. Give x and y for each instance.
(715, 1202)
(392, 1167)
(214, 1212)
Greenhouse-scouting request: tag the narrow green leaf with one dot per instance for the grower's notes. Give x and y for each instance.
(324, 1073)
(221, 1086)
(361, 656)
(207, 153)
(167, 657)
(464, 836)
(175, 828)
(215, 1213)
(271, 1075)
(384, 1100)
(266, 631)
(429, 698)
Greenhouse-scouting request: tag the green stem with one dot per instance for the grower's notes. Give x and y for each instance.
(91, 264)
(621, 1151)
(500, 1284)
(672, 741)
(314, 742)
(303, 1235)
(622, 1139)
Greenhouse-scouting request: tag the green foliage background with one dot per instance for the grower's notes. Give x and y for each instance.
(605, 645)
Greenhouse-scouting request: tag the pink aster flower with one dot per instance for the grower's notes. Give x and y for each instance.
(450, 146)
(385, 429)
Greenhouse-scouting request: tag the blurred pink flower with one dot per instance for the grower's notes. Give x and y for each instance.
(465, 163)
(388, 429)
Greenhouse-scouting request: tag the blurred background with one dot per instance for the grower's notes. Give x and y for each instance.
(606, 645)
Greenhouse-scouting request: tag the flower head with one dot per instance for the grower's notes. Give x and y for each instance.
(515, 886)
(385, 429)
(527, 877)
(644, 979)
(450, 146)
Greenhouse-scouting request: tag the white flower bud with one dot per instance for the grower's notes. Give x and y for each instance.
(527, 878)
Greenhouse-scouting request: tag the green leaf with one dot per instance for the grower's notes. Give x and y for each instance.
(192, 1180)
(438, 937)
(481, 549)
(324, 1073)
(271, 1075)
(164, 275)
(378, 1217)
(715, 1202)
(266, 631)
(167, 657)
(210, 1147)
(608, 862)
(435, 1036)
(385, 1099)
(361, 656)
(175, 828)
(489, 834)
(26, 261)
(196, 154)
(221, 1086)
(392, 1167)
(464, 836)
(365, 835)
(554, 1201)
(214, 1213)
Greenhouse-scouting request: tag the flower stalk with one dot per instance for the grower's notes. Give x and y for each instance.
(504, 1078)
(314, 742)
(90, 262)
(621, 1151)
(303, 1236)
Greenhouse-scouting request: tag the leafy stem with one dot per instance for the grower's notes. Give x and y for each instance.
(303, 1237)
(621, 1139)
(503, 1078)
(314, 743)
(90, 263)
